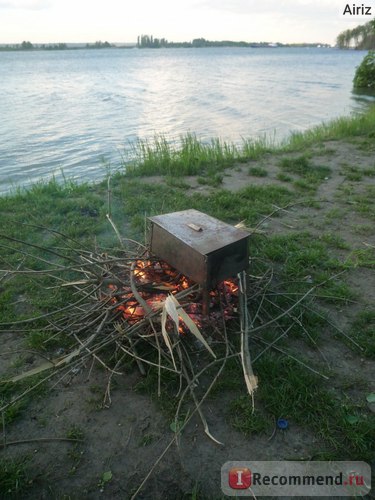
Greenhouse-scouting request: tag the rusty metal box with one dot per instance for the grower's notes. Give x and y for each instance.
(199, 246)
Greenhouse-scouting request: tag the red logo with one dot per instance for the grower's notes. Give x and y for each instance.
(240, 478)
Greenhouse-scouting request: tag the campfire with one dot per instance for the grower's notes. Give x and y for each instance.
(172, 298)
(146, 302)
(156, 279)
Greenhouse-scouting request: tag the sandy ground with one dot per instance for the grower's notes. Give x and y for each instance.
(130, 436)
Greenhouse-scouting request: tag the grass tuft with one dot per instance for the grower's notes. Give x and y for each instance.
(14, 479)
(190, 156)
(363, 332)
(258, 172)
(288, 390)
(340, 128)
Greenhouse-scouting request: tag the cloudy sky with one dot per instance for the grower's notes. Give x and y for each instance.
(43, 21)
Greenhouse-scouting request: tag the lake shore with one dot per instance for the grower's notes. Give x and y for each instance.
(309, 204)
(86, 120)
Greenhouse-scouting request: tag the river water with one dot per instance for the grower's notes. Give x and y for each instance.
(73, 113)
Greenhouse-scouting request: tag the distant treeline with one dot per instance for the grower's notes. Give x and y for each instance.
(149, 42)
(146, 41)
(18, 46)
(361, 38)
(54, 46)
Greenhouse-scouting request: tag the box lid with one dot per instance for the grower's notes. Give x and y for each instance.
(198, 230)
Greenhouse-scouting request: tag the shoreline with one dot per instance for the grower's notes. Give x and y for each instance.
(181, 45)
(52, 146)
(191, 156)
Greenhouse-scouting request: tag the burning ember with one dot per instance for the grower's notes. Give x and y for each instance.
(155, 280)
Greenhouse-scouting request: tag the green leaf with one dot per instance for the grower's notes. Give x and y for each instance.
(352, 419)
(107, 476)
(175, 426)
(371, 397)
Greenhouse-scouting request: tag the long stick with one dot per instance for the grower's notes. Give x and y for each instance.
(39, 440)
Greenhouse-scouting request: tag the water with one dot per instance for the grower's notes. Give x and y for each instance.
(74, 111)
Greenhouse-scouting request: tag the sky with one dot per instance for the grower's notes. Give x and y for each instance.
(286, 21)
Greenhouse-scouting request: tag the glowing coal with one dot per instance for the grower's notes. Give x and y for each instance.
(155, 280)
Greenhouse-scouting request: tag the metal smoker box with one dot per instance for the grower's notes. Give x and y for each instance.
(199, 246)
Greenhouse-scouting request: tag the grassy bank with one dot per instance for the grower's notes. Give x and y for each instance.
(310, 207)
(193, 157)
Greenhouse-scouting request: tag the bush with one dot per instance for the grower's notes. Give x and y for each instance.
(365, 73)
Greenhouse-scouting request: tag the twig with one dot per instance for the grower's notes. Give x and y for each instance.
(315, 311)
(278, 209)
(38, 247)
(115, 230)
(146, 361)
(52, 313)
(179, 431)
(109, 198)
(4, 431)
(198, 405)
(107, 395)
(294, 358)
(137, 358)
(40, 440)
(273, 343)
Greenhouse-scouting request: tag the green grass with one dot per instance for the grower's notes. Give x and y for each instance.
(283, 177)
(75, 209)
(214, 180)
(300, 254)
(14, 478)
(168, 383)
(147, 439)
(362, 258)
(367, 144)
(335, 213)
(354, 176)
(75, 432)
(190, 156)
(288, 390)
(310, 175)
(341, 128)
(8, 391)
(335, 241)
(255, 149)
(369, 172)
(352, 173)
(257, 172)
(303, 167)
(362, 202)
(78, 211)
(249, 422)
(43, 341)
(302, 261)
(363, 332)
(27, 215)
(364, 229)
(176, 182)
(299, 165)
(250, 203)
(305, 185)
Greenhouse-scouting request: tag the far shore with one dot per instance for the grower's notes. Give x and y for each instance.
(31, 47)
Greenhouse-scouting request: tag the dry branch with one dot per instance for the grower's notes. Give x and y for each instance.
(102, 287)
